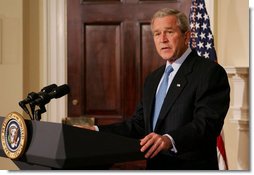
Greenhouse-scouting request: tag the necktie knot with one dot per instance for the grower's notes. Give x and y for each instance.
(168, 70)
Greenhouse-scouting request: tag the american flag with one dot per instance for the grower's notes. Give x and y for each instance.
(201, 34)
(202, 41)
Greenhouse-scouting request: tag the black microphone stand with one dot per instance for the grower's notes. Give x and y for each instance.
(38, 112)
(41, 105)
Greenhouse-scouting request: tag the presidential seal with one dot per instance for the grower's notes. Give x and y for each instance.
(14, 135)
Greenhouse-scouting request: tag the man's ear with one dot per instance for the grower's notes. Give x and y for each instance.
(187, 37)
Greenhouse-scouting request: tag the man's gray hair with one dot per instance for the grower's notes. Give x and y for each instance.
(183, 22)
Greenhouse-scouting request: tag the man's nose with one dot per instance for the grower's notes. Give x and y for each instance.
(163, 37)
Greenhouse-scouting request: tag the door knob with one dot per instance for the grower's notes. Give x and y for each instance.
(75, 102)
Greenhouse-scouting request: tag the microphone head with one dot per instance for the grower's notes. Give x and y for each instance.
(49, 88)
(60, 91)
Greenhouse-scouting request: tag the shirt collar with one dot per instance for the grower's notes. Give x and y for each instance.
(178, 62)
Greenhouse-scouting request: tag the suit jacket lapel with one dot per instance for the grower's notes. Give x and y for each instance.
(178, 84)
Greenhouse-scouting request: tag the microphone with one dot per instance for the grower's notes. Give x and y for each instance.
(32, 96)
(49, 88)
(44, 98)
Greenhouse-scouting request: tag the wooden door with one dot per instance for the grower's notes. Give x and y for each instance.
(110, 52)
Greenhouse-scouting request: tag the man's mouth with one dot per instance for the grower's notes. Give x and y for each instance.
(165, 48)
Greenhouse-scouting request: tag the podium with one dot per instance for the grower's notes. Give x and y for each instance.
(61, 146)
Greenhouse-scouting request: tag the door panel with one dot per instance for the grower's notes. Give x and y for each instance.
(102, 69)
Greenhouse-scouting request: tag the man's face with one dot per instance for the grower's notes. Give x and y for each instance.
(170, 42)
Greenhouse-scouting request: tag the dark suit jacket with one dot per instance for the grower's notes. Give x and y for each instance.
(193, 114)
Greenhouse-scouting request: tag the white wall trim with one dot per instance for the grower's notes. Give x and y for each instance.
(239, 77)
(55, 59)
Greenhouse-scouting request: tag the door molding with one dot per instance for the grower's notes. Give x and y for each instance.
(54, 55)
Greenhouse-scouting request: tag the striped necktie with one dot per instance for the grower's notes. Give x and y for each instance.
(161, 94)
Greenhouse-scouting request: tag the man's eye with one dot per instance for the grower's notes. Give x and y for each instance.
(156, 34)
(169, 31)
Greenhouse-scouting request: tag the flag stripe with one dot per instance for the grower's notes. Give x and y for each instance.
(222, 151)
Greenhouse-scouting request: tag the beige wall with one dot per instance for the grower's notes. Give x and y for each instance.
(11, 50)
(19, 52)
(11, 61)
(31, 45)
(232, 32)
(21, 70)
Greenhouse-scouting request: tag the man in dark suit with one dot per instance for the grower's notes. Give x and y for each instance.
(183, 134)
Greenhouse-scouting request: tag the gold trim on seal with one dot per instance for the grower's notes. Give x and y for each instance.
(14, 135)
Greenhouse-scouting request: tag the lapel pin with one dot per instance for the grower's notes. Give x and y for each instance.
(178, 85)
